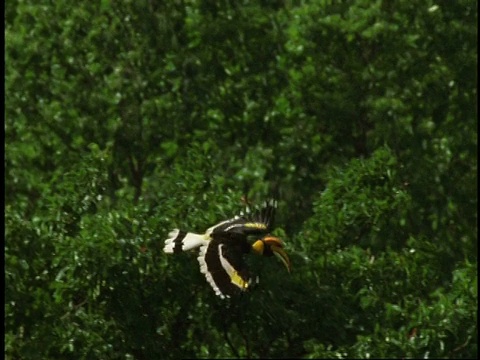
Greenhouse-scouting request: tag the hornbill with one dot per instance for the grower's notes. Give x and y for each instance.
(223, 245)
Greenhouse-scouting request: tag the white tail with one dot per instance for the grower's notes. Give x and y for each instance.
(179, 241)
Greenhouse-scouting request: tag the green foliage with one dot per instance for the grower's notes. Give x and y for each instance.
(126, 120)
(364, 198)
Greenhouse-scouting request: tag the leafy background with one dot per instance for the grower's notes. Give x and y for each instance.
(127, 119)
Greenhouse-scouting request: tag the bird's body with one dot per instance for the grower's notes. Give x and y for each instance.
(223, 246)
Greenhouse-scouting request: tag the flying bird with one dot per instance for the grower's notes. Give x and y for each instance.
(223, 246)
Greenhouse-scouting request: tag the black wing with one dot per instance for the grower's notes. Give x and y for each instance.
(256, 222)
(221, 260)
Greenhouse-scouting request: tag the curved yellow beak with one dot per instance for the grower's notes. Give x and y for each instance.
(282, 255)
(272, 245)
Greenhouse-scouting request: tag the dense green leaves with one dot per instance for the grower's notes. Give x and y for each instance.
(125, 120)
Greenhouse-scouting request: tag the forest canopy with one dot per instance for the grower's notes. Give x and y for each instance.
(124, 120)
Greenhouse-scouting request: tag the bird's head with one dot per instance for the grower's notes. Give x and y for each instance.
(271, 245)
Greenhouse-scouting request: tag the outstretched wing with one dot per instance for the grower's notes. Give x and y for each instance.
(221, 260)
(256, 222)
